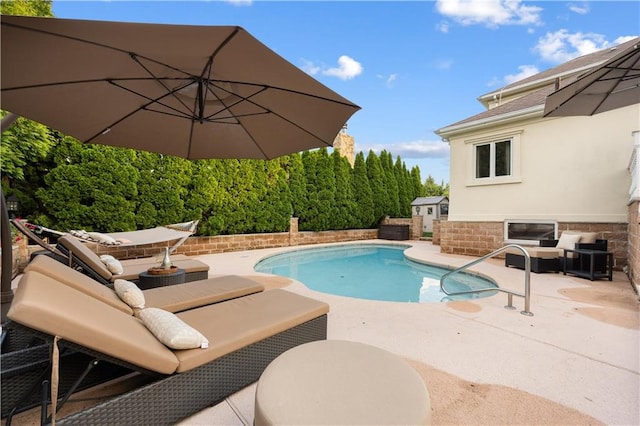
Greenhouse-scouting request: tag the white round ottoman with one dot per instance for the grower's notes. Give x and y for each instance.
(335, 382)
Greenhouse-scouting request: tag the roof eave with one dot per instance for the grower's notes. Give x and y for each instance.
(506, 118)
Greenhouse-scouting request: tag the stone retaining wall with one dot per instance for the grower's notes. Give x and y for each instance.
(634, 244)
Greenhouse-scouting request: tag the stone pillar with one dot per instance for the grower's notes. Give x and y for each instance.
(293, 231)
(416, 226)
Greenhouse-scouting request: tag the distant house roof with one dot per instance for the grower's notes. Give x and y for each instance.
(535, 89)
(423, 201)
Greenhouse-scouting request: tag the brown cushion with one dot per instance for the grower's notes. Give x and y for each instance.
(66, 275)
(52, 307)
(237, 323)
(194, 294)
(84, 253)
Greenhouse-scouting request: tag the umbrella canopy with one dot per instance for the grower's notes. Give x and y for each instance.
(189, 91)
(614, 84)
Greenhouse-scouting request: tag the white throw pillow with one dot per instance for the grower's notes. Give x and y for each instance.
(129, 293)
(113, 265)
(568, 241)
(102, 238)
(171, 330)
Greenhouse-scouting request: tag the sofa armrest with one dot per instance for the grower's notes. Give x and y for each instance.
(600, 245)
(548, 243)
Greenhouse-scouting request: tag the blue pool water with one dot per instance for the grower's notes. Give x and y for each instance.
(367, 271)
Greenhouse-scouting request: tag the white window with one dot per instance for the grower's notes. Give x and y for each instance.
(494, 159)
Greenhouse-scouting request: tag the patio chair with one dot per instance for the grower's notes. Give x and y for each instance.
(244, 335)
(79, 255)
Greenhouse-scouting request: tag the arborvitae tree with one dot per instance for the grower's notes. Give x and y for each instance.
(362, 193)
(26, 7)
(404, 196)
(297, 183)
(308, 216)
(162, 188)
(418, 188)
(93, 187)
(326, 189)
(386, 161)
(274, 207)
(345, 208)
(376, 176)
(202, 190)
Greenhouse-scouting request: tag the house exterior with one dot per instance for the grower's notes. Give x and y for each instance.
(430, 208)
(516, 176)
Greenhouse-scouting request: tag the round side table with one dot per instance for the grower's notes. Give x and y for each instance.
(148, 280)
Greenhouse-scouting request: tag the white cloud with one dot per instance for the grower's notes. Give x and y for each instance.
(580, 9)
(309, 67)
(390, 80)
(443, 27)
(562, 46)
(525, 71)
(416, 149)
(347, 69)
(492, 13)
(240, 2)
(443, 64)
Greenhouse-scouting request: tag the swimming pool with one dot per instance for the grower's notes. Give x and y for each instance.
(371, 271)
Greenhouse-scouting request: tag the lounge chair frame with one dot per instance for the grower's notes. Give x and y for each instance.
(169, 399)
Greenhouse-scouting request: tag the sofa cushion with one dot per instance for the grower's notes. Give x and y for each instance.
(171, 330)
(568, 241)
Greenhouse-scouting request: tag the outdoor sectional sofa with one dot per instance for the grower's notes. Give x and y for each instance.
(82, 317)
(549, 255)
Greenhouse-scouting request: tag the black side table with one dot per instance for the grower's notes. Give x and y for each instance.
(584, 265)
(148, 280)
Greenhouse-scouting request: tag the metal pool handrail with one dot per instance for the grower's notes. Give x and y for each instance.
(510, 293)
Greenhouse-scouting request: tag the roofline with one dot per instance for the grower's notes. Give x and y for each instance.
(538, 83)
(509, 117)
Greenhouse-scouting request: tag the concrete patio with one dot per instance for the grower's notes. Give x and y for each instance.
(578, 353)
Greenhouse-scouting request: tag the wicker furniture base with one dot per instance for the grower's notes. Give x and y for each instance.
(150, 280)
(538, 265)
(175, 397)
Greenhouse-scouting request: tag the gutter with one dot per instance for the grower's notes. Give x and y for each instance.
(509, 117)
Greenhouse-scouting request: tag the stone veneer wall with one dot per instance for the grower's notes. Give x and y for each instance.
(634, 245)
(480, 238)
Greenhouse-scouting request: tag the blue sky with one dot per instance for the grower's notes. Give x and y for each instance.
(412, 66)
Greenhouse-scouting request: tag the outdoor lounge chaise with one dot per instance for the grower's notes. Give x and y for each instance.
(81, 256)
(25, 356)
(549, 255)
(244, 334)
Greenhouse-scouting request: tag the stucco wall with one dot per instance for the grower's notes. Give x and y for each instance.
(571, 169)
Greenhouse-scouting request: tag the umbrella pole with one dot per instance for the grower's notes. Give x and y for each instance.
(6, 294)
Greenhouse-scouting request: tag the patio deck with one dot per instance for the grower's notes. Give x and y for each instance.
(484, 364)
(576, 361)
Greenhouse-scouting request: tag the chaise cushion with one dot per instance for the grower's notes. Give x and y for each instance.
(237, 323)
(49, 306)
(77, 280)
(194, 294)
(86, 256)
(171, 330)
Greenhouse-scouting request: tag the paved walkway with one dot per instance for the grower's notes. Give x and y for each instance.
(580, 349)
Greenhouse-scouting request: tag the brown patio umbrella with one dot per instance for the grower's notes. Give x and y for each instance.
(614, 84)
(189, 91)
